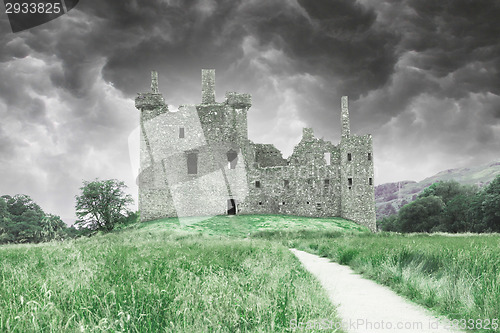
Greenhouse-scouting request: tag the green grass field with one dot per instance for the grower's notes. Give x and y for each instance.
(454, 275)
(152, 278)
(233, 274)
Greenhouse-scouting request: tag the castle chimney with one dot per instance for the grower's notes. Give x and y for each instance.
(154, 82)
(207, 86)
(346, 128)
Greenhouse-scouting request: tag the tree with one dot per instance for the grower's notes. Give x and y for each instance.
(53, 227)
(421, 215)
(102, 204)
(450, 207)
(23, 224)
(5, 222)
(447, 190)
(491, 205)
(389, 223)
(456, 214)
(23, 221)
(21, 204)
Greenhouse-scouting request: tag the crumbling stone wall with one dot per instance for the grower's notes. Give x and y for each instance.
(198, 161)
(267, 155)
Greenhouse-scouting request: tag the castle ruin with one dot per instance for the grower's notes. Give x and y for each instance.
(198, 161)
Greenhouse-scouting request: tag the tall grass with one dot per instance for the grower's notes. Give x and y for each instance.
(144, 281)
(457, 276)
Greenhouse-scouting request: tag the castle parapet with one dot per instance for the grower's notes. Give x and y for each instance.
(151, 105)
(149, 101)
(238, 101)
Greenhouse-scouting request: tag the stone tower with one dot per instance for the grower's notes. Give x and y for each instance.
(356, 174)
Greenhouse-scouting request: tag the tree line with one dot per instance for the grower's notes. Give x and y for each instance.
(101, 206)
(445, 206)
(448, 206)
(23, 221)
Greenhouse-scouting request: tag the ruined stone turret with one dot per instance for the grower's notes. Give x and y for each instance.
(207, 86)
(356, 174)
(151, 103)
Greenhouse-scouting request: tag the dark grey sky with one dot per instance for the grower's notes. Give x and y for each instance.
(422, 76)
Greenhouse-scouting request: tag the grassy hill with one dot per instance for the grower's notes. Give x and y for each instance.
(202, 275)
(245, 225)
(171, 275)
(390, 197)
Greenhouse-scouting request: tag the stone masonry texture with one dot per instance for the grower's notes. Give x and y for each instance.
(198, 161)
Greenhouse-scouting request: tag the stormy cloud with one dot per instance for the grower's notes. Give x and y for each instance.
(422, 77)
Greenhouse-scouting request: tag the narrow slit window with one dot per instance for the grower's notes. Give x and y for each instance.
(257, 183)
(327, 158)
(192, 163)
(181, 132)
(370, 181)
(232, 159)
(369, 156)
(327, 183)
(349, 181)
(349, 157)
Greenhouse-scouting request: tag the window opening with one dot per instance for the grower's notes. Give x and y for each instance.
(232, 159)
(327, 158)
(192, 163)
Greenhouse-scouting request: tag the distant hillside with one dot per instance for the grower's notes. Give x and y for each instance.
(390, 197)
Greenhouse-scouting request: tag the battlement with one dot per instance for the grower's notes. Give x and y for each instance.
(149, 101)
(151, 104)
(238, 101)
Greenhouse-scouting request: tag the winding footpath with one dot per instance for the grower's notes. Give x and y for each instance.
(365, 306)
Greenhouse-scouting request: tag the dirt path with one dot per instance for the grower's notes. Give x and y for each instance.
(365, 306)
